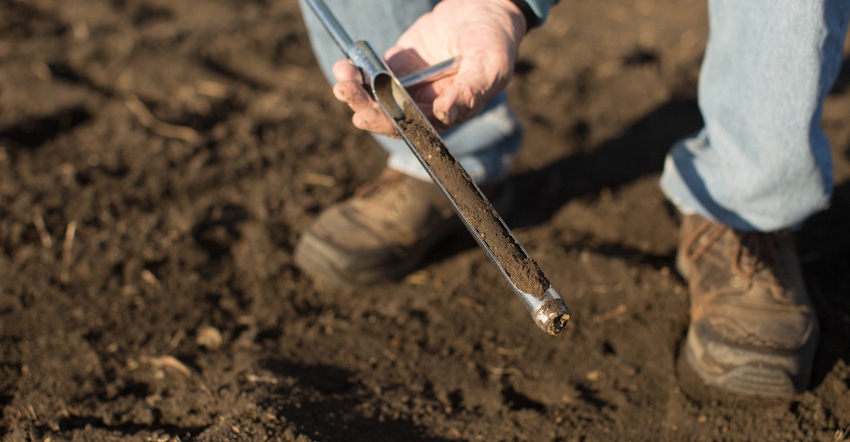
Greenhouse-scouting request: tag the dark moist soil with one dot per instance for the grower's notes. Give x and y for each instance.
(159, 160)
(473, 206)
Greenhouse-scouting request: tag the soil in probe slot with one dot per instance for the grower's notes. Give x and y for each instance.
(479, 213)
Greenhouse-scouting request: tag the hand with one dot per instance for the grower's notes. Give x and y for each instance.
(484, 33)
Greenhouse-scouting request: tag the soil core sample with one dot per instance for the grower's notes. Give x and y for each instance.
(480, 215)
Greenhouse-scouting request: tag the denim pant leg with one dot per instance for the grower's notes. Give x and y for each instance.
(762, 162)
(484, 146)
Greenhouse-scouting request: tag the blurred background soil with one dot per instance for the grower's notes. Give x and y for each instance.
(159, 159)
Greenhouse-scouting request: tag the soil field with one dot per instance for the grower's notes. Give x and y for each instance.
(160, 158)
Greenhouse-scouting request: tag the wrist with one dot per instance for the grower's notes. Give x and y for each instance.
(534, 11)
(531, 20)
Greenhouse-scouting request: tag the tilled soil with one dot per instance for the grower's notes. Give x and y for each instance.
(159, 159)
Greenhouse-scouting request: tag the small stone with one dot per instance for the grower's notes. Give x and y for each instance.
(209, 338)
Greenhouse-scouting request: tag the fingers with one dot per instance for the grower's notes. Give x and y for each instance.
(352, 94)
(462, 99)
(368, 114)
(343, 70)
(374, 120)
(482, 74)
(446, 109)
(446, 102)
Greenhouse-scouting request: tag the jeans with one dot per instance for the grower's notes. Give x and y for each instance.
(485, 145)
(761, 163)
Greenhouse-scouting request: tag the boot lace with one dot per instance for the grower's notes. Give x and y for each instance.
(755, 257)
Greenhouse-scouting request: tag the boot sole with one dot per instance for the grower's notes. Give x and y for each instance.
(742, 370)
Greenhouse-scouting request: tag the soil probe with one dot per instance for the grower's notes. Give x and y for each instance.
(533, 289)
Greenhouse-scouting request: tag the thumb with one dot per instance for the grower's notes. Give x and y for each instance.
(475, 83)
(459, 102)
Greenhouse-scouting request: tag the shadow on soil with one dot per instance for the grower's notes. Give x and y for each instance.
(639, 152)
(824, 248)
(322, 395)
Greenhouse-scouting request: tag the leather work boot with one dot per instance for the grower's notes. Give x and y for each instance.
(382, 232)
(753, 327)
